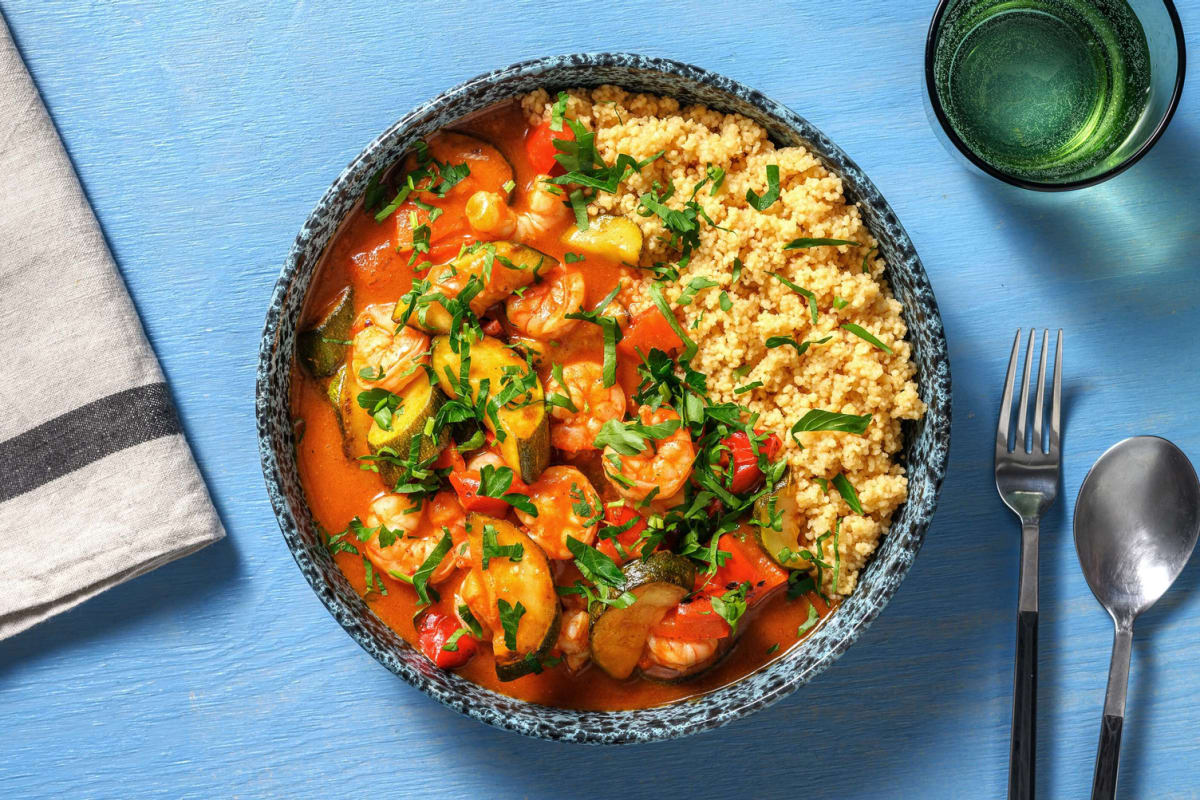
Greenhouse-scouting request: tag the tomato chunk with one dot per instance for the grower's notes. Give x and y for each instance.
(617, 517)
(746, 474)
(693, 620)
(466, 484)
(434, 631)
(649, 330)
(539, 147)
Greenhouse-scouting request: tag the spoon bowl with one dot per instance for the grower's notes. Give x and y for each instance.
(1136, 522)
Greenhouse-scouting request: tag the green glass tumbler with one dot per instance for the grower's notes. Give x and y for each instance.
(1053, 94)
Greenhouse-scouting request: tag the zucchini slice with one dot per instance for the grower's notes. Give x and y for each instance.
(524, 425)
(419, 403)
(528, 582)
(780, 524)
(321, 347)
(512, 266)
(615, 238)
(619, 635)
(333, 391)
(353, 419)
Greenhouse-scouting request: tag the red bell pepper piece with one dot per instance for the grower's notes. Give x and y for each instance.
(649, 330)
(747, 562)
(539, 147)
(746, 474)
(450, 459)
(466, 484)
(617, 516)
(693, 620)
(434, 631)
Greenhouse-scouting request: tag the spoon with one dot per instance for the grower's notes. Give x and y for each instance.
(1136, 521)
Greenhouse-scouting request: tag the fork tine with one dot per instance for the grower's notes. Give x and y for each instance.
(1056, 400)
(1006, 402)
(1039, 405)
(1023, 406)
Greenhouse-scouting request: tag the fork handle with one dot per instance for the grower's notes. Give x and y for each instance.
(1024, 716)
(1023, 748)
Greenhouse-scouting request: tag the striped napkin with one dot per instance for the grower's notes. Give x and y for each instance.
(97, 484)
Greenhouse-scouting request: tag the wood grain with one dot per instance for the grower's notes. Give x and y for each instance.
(205, 132)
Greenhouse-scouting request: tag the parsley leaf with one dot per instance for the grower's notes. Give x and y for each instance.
(790, 341)
(629, 438)
(731, 605)
(380, 404)
(595, 565)
(420, 578)
(813, 619)
(494, 482)
(846, 490)
(510, 620)
(716, 175)
(812, 298)
(689, 347)
(772, 193)
(557, 112)
(866, 336)
(493, 549)
(820, 420)
(804, 241)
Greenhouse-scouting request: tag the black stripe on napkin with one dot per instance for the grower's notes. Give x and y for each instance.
(86, 434)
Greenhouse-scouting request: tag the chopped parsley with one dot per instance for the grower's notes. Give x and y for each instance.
(866, 336)
(731, 605)
(804, 242)
(420, 578)
(821, 420)
(495, 482)
(800, 290)
(813, 619)
(790, 341)
(557, 111)
(847, 492)
(510, 620)
(493, 549)
(381, 404)
(772, 193)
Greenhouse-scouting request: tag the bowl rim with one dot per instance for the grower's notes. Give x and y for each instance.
(935, 103)
(618, 727)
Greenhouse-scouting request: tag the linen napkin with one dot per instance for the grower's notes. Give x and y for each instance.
(97, 484)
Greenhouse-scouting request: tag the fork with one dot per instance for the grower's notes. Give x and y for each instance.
(1027, 479)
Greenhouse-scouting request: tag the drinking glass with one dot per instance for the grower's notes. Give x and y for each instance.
(1093, 147)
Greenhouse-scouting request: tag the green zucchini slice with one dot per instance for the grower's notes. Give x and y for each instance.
(512, 266)
(523, 426)
(527, 582)
(333, 391)
(321, 348)
(619, 635)
(780, 523)
(419, 404)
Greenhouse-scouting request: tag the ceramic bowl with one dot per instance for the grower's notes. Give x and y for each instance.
(926, 443)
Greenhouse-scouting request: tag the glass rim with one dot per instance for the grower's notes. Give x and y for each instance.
(1041, 186)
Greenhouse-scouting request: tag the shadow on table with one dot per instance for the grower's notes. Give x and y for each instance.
(160, 593)
(1098, 231)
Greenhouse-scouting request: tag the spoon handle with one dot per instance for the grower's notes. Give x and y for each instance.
(1108, 752)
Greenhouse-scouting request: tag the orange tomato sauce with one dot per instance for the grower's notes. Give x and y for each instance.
(363, 254)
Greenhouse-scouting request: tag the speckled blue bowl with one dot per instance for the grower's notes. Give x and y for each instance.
(926, 449)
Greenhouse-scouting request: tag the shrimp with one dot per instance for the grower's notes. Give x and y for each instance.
(386, 355)
(573, 638)
(662, 468)
(541, 311)
(567, 508)
(405, 555)
(679, 655)
(489, 214)
(595, 404)
(446, 512)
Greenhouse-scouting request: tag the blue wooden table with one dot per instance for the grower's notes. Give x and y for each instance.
(204, 133)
